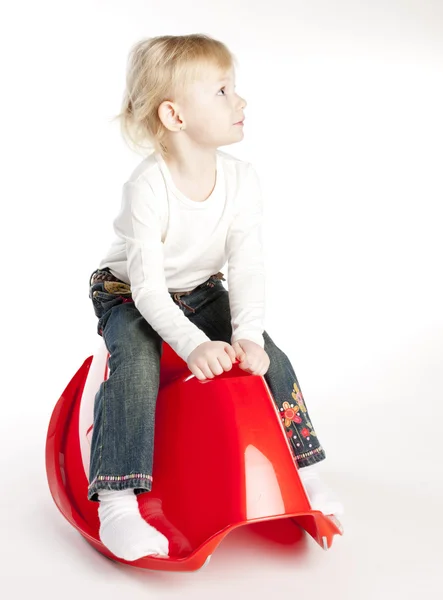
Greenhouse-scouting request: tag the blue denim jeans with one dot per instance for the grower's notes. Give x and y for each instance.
(122, 442)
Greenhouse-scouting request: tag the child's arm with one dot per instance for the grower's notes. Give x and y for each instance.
(139, 224)
(246, 270)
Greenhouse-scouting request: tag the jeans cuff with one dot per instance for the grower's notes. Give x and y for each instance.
(318, 454)
(109, 483)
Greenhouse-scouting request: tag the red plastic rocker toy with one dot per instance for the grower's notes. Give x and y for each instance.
(224, 460)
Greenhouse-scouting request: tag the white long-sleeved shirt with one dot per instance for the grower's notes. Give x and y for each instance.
(166, 243)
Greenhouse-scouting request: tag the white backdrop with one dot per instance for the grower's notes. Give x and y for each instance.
(344, 126)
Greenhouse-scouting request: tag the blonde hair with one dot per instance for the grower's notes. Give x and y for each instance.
(158, 69)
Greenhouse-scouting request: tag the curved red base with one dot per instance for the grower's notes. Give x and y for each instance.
(221, 460)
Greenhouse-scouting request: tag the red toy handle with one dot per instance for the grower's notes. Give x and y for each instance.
(234, 372)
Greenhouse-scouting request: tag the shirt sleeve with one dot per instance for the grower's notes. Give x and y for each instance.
(139, 224)
(246, 270)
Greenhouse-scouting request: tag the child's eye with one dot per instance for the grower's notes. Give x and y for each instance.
(224, 88)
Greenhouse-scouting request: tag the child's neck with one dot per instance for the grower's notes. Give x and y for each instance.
(195, 180)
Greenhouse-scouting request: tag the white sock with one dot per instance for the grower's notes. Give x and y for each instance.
(321, 497)
(123, 530)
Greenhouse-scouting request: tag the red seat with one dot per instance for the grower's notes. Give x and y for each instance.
(221, 460)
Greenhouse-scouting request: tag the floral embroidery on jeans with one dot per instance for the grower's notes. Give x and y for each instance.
(297, 395)
(290, 415)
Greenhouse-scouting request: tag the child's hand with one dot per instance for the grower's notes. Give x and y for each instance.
(210, 359)
(252, 357)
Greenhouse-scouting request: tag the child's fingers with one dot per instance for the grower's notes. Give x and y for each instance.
(231, 352)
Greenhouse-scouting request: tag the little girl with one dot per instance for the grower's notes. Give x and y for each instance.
(186, 210)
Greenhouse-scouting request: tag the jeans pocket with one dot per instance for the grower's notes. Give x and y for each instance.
(105, 295)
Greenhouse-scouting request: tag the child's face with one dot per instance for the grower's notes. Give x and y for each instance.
(212, 107)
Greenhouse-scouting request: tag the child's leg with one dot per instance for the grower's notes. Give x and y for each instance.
(303, 439)
(122, 444)
(288, 397)
(123, 434)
